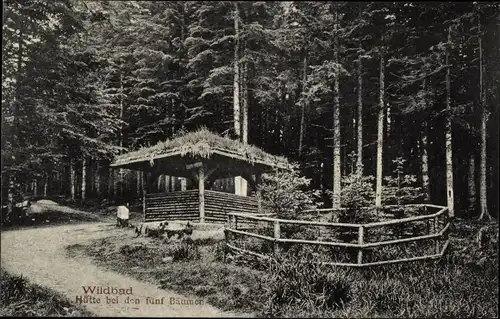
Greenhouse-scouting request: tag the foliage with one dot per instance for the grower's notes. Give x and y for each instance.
(297, 281)
(284, 193)
(401, 189)
(357, 191)
(92, 79)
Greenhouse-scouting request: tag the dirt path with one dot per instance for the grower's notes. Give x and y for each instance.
(40, 255)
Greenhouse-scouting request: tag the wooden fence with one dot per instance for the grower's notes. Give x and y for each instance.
(218, 204)
(438, 224)
(181, 205)
(184, 205)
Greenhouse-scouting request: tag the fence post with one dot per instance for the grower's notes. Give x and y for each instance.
(436, 241)
(276, 236)
(360, 242)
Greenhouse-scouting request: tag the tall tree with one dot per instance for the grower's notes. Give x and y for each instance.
(484, 120)
(448, 134)
(380, 134)
(336, 120)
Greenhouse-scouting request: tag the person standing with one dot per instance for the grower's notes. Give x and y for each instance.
(122, 215)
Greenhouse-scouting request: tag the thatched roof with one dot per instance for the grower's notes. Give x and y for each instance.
(200, 145)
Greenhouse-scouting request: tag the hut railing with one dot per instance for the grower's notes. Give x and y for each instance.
(435, 233)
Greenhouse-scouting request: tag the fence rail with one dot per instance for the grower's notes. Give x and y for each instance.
(234, 219)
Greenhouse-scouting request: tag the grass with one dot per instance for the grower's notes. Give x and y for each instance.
(202, 143)
(20, 298)
(462, 284)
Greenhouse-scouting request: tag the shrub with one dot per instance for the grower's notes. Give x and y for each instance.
(186, 250)
(357, 191)
(285, 193)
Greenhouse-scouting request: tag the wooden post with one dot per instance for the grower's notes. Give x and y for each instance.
(360, 242)
(201, 192)
(258, 180)
(276, 236)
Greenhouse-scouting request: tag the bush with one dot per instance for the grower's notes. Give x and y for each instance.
(186, 250)
(357, 191)
(285, 193)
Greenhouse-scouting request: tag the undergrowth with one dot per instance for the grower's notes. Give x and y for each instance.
(20, 298)
(462, 284)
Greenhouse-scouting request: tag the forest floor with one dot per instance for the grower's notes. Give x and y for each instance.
(40, 254)
(66, 257)
(464, 283)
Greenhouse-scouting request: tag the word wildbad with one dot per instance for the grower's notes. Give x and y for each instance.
(99, 290)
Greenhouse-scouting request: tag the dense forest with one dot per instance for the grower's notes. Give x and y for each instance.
(372, 89)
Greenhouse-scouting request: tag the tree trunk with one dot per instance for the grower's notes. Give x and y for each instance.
(244, 77)
(336, 128)
(45, 185)
(122, 138)
(236, 84)
(19, 74)
(484, 119)
(359, 163)
(116, 182)
(97, 179)
(303, 104)
(84, 177)
(10, 196)
(72, 179)
(380, 136)
(236, 89)
(425, 162)
(138, 182)
(471, 184)
(448, 136)
(423, 148)
(386, 166)
(111, 181)
(62, 179)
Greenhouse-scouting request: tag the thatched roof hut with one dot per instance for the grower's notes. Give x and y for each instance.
(204, 157)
